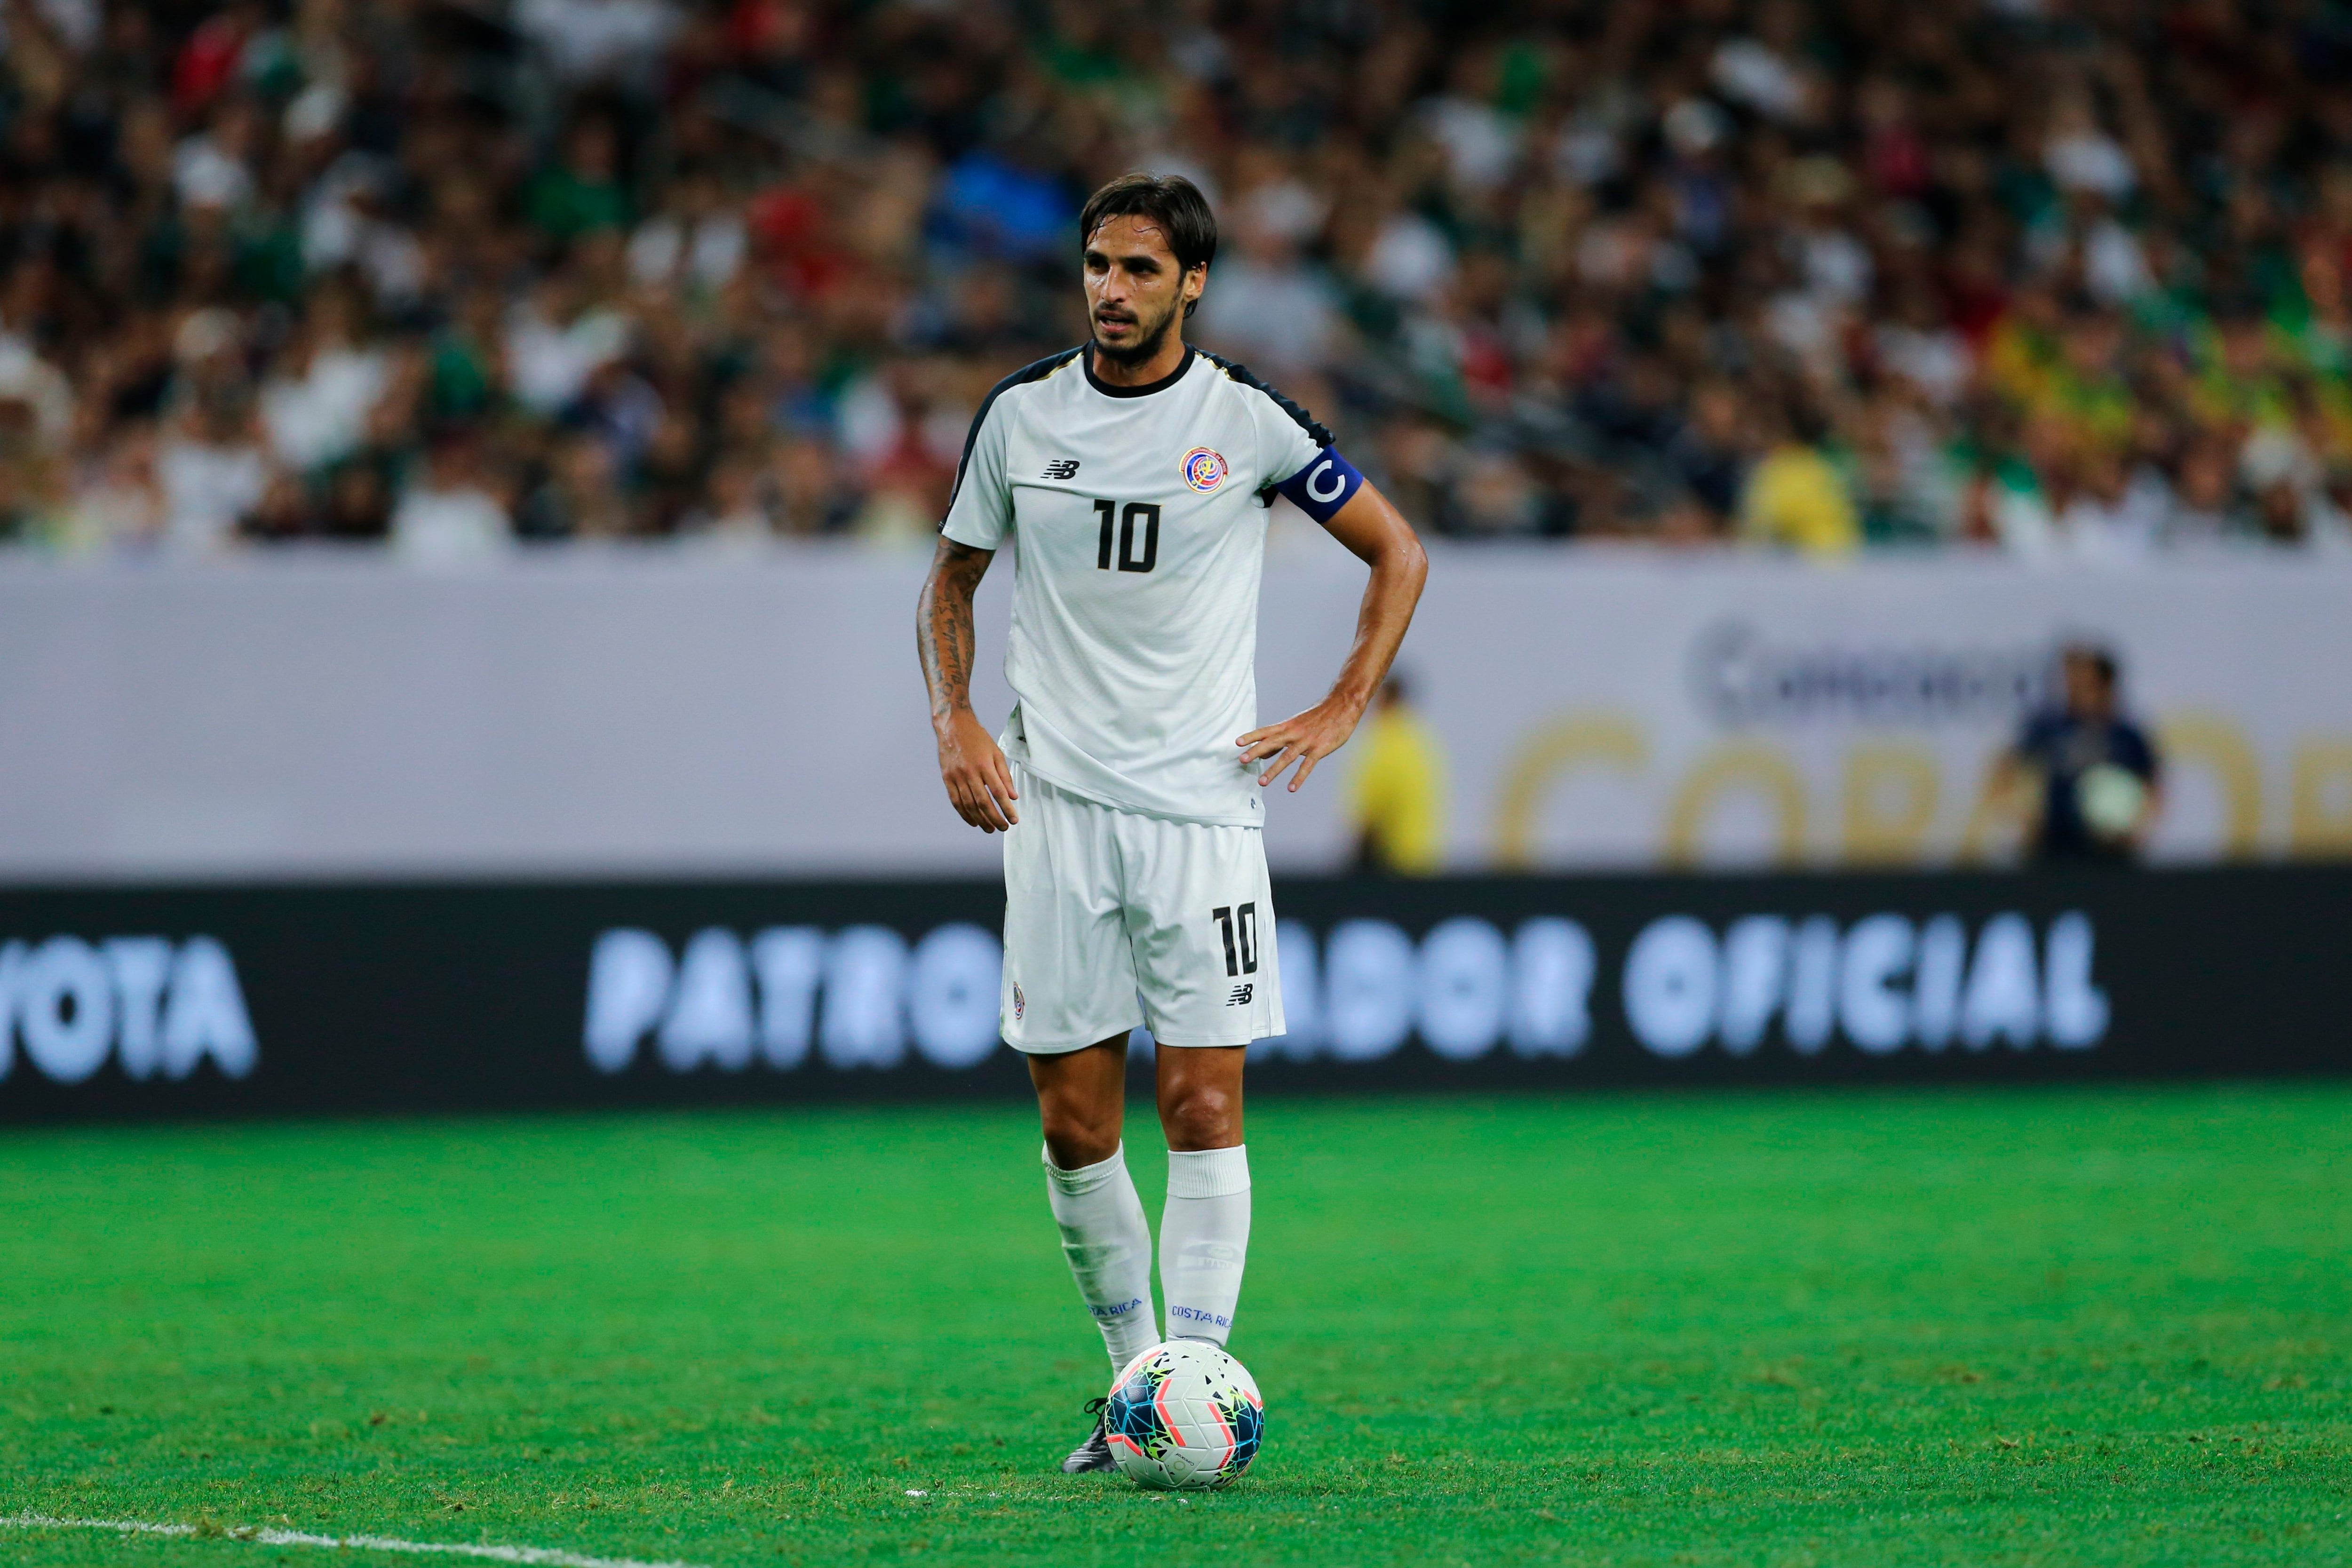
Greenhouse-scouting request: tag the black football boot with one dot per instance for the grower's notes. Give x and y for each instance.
(1093, 1455)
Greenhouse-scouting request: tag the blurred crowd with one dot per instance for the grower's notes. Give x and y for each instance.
(2066, 278)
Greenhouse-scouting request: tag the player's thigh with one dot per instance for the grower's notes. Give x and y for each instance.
(1200, 920)
(1069, 977)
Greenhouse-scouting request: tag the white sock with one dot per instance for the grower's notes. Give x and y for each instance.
(1109, 1245)
(1204, 1241)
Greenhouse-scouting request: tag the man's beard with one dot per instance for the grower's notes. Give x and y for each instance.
(1143, 348)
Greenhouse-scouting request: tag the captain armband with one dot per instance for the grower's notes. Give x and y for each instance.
(1324, 486)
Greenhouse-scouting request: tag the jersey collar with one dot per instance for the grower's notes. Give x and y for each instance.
(1087, 358)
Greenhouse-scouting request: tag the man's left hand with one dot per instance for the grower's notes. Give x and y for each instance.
(1303, 738)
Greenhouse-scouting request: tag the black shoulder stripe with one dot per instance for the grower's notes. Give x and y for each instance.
(1315, 432)
(1026, 373)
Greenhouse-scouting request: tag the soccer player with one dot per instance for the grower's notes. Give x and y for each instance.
(1130, 476)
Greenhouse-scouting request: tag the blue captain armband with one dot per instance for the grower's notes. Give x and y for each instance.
(1324, 486)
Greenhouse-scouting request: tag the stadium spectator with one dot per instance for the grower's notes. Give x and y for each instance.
(1795, 497)
(2068, 281)
(448, 515)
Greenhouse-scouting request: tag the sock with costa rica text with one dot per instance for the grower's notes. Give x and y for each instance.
(1109, 1245)
(1204, 1240)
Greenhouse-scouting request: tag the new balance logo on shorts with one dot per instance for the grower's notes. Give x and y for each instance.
(1062, 469)
(1239, 998)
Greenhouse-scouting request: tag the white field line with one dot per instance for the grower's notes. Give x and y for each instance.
(537, 1556)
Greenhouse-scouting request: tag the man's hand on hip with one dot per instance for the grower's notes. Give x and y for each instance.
(1303, 738)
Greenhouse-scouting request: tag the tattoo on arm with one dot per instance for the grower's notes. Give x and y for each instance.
(943, 629)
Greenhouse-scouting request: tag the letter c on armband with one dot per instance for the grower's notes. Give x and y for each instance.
(1324, 486)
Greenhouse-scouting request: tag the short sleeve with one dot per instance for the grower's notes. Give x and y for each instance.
(1287, 445)
(1287, 436)
(982, 509)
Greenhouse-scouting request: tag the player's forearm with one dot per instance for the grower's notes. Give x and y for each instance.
(944, 637)
(1399, 567)
(1377, 534)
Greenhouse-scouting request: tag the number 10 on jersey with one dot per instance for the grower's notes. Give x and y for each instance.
(1143, 512)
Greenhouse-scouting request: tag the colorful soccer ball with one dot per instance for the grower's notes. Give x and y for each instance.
(1184, 1416)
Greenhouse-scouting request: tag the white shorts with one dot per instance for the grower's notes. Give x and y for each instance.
(1114, 919)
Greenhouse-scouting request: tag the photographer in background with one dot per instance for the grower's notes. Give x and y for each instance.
(2099, 775)
(1396, 796)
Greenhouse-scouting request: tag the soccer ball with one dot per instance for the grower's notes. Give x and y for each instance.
(1184, 1416)
(2110, 799)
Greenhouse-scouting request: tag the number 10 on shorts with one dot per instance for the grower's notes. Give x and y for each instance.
(1239, 928)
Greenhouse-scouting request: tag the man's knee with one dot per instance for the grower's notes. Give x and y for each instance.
(1077, 1134)
(1201, 1116)
(1081, 1099)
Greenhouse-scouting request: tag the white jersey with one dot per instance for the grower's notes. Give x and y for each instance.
(1138, 520)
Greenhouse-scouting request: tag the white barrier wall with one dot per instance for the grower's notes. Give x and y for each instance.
(630, 711)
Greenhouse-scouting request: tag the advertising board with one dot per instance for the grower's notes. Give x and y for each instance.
(210, 1000)
(625, 715)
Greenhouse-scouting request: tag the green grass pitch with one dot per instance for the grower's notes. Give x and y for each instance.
(2067, 1326)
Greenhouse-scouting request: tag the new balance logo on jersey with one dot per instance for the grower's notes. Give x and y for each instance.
(1062, 469)
(1242, 994)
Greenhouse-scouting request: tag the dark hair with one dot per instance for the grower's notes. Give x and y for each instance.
(1170, 201)
(2102, 662)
